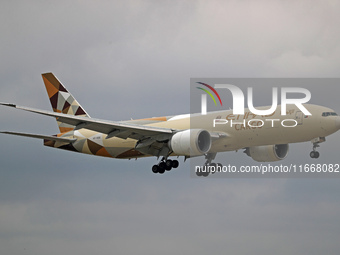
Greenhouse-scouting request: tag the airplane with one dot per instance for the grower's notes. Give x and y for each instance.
(188, 135)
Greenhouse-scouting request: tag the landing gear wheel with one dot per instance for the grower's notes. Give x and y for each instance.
(155, 169)
(168, 164)
(162, 167)
(314, 154)
(205, 174)
(175, 163)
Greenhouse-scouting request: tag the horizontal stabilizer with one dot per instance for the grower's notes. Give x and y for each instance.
(47, 137)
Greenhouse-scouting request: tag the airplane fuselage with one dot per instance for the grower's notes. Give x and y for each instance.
(237, 131)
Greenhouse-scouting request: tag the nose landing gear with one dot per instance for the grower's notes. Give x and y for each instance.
(316, 141)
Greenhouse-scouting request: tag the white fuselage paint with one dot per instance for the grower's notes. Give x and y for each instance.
(237, 135)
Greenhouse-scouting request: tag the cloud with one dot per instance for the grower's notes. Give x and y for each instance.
(131, 59)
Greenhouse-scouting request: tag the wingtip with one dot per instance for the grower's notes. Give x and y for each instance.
(7, 104)
(5, 132)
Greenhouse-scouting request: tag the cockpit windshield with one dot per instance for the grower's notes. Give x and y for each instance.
(325, 114)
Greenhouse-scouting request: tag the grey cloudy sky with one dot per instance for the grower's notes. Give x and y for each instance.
(132, 59)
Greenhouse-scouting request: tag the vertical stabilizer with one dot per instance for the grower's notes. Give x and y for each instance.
(62, 101)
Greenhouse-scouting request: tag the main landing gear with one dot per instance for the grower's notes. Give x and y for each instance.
(208, 166)
(165, 165)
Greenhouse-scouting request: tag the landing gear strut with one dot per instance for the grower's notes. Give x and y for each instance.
(165, 165)
(205, 170)
(316, 141)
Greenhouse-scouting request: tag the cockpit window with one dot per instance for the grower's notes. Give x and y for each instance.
(325, 114)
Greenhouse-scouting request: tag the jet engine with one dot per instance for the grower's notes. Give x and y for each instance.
(268, 153)
(191, 142)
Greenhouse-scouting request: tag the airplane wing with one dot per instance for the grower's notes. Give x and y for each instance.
(111, 128)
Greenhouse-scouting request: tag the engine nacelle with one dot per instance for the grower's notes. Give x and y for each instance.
(268, 153)
(191, 142)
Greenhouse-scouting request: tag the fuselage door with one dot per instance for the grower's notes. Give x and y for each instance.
(299, 117)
